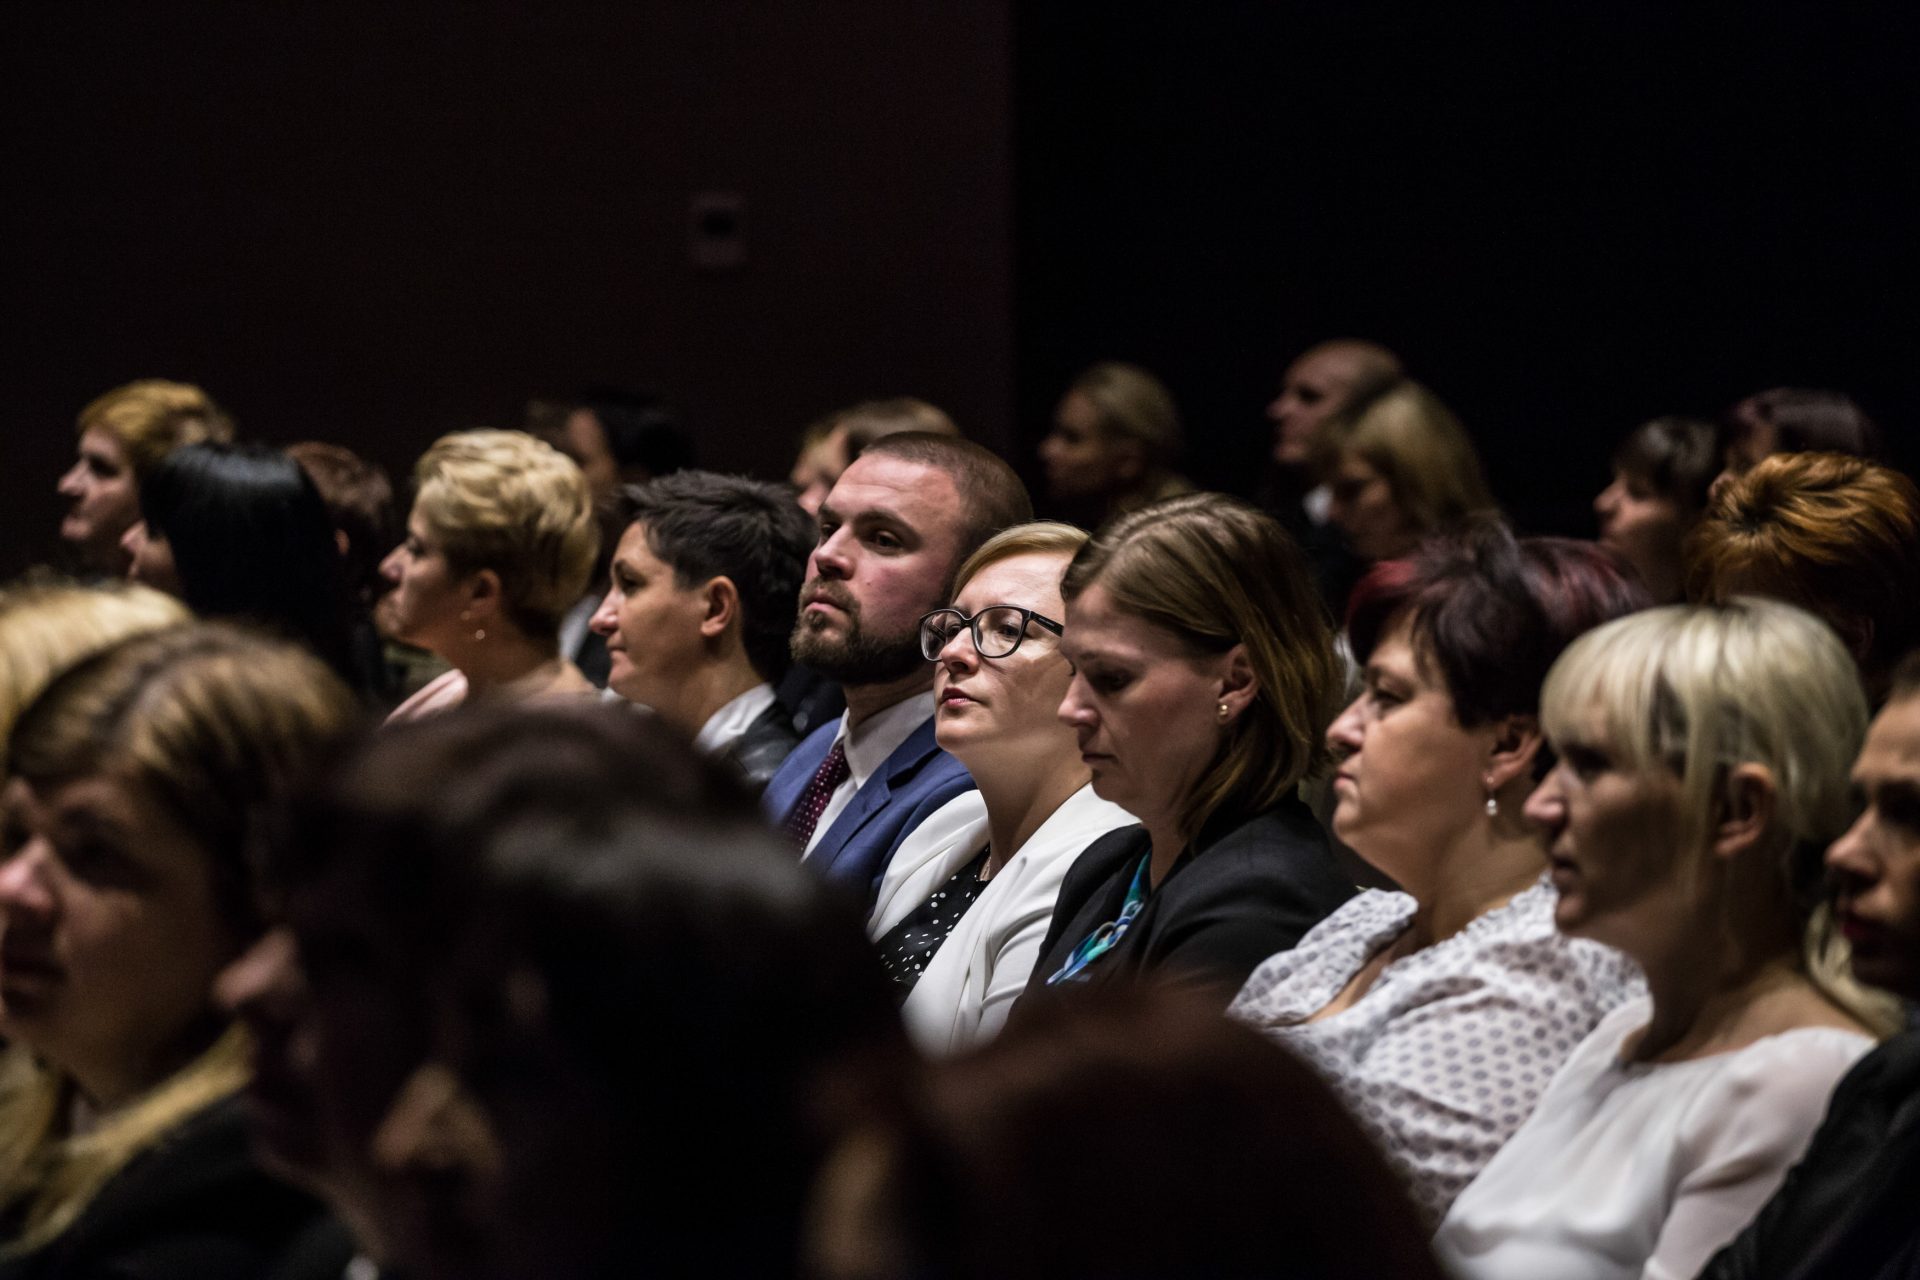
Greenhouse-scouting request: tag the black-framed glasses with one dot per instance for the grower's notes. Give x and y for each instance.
(997, 629)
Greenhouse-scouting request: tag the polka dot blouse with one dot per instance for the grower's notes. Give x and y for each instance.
(907, 948)
(1446, 1054)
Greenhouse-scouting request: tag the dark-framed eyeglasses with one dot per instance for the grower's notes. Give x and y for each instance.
(997, 629)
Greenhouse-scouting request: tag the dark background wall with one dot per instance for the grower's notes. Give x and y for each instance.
(375, 223)
(378, 222)
(1568, 218)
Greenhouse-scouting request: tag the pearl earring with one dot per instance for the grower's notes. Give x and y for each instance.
(1225, 711)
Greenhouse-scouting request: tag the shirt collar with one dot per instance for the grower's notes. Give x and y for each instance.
(881, 734)
(731, 720)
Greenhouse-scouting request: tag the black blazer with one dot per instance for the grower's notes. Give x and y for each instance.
(1237, 895)
(193, 1207)
(766, 743)
(1852, 1205)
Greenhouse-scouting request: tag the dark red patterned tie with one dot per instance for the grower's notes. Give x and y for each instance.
(813, 801)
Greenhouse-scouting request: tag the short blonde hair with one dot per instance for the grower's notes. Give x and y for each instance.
(505, 501)
(1133, 406)
(1036, 537)
(49, 625)
(1403, 431)
(1213, 572)
(152, 417)
(1695, 690)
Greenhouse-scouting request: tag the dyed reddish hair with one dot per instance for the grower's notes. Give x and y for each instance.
(1490, 612)
(1837, 535)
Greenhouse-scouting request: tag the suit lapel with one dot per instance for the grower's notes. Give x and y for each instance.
(873, 797)
(784, 791)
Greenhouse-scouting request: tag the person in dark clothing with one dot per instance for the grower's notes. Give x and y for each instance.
(1847, 1211)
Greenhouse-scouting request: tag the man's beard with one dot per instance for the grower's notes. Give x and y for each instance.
(854, 657)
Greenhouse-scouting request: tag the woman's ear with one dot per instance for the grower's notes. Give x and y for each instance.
(1239, 686)
(1746, 810)
(723, 607)
(486, 597)
(1516, 745)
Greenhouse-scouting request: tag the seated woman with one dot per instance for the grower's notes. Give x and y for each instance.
(1039, 1157)
(968, 895)
(697, 617)
(1114, 444)
(1203, 670)
(1661, 475)
(500, 542)
(1703, 772)
(572, 1005)
(1398, 467)
(240, 532)
(1440, 1012)
(138, 780)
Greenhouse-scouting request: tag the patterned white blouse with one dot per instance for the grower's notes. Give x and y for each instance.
(1447, 1052)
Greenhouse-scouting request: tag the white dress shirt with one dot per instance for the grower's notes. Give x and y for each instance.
(731, 720)
(867, 748)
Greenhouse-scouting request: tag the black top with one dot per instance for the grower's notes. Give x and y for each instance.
(909, 945)
(764, 745)
(194, 1206)
(1850, 1210)
(1237, 895)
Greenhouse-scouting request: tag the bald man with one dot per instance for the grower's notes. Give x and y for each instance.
(1316, 387)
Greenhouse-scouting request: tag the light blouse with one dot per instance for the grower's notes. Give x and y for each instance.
(1444, 1056)
(1643, 1170)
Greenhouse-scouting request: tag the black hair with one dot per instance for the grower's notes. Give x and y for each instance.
(251, 540)
(706, 525)
(1677, 457)
(643, 431)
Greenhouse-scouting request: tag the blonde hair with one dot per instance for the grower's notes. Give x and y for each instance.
(152, 417)
(49, 625)
(1696, 690)
(1403, 431)
(1134, 406)
(210, 721)
(1036, 537)
(504, 501)
(1213, 572)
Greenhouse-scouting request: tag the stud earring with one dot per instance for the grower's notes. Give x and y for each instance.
(479, 633)
(1493, 802)
(1224, 712)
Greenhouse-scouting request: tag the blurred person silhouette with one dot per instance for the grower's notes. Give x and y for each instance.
(1796, 420)
(1114, 445)
(1129, 1133)
(1203, 673)
(122, 436)
(700, 609)
(358, 495)
(1837, 535)
(1662, 473)
(138, 781)
(551, 1002)
(240, 532)
(499, 544)
(829, 446)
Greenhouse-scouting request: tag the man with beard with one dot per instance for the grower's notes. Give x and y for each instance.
(894, 528)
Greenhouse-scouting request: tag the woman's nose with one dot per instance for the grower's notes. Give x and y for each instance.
(1344, 734)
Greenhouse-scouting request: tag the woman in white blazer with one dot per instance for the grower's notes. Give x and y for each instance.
(967, 897)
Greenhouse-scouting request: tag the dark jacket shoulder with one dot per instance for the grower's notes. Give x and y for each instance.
(194, 1206)
(764, 745)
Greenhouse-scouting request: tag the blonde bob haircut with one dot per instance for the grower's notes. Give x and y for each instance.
(1698, 690)
(47, 626)
(1036, 537)
(211, 722)
(1403, 431)
(151, 418)
(505, 501)
(1213, 572)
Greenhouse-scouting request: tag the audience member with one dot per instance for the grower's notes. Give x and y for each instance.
(1136, 1135)
(47, 626)
(896, 527)
(1836, 535)
(1437, 756)
(1320, 385)
(1398, 467)
(1796, 420)
(624, 437)
(697, 620)
(1846, 1212)
(123, 435)
(966, 900)
(137, 784)
(1661, 476)
(569, 1004)
(1203, 671)
(359, 499)
(829, 446)
(1114, 445)
(500, 541)
(239, 531)
(1702, 773)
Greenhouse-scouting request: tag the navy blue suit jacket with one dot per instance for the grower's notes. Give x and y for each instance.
(915, 780)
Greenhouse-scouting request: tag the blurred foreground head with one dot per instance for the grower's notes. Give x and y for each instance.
(567, 1002)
